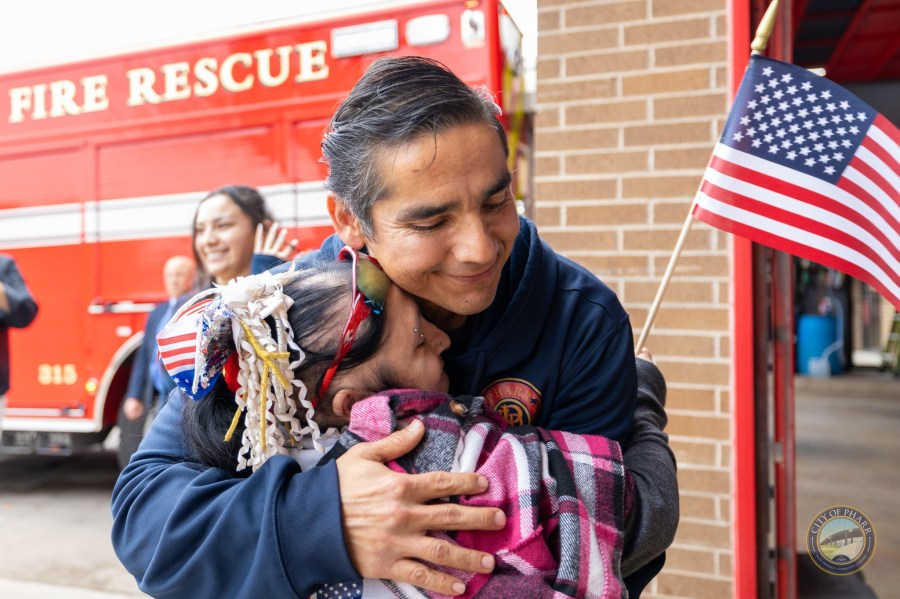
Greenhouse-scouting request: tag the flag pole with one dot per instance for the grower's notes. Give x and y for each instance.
(757, 46)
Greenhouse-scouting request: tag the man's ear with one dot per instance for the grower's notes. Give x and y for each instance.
(344, 400)
(344, 223)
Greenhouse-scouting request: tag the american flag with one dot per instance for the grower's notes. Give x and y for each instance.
(806, 167)
(178, 343)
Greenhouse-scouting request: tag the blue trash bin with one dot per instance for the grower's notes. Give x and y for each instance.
(814, 336)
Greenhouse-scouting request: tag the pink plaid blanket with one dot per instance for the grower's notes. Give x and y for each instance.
(565, 496)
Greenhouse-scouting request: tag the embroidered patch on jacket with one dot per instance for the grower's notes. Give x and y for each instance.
(516, 400)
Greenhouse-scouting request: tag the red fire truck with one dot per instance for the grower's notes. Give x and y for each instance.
(103, 162)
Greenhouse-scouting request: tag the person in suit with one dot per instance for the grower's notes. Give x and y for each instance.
(17, 309)
(149, 383)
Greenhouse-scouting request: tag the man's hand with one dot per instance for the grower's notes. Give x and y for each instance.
(271, 243)
(385, 516)
(133, 408)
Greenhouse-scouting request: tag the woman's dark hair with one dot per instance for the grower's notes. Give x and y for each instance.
(251, 203)
(321, 292)
(397, 100)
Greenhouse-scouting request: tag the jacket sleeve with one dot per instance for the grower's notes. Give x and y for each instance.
(183, 530)
(651, 464)
(22, 307)
(140, 367)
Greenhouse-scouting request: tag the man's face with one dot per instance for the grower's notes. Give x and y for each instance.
(178, 276)
(448, 222)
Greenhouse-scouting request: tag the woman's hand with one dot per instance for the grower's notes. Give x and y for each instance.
(385, 516)
(271, 243)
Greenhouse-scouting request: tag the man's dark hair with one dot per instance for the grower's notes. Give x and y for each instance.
(317, 317)
(396, 101)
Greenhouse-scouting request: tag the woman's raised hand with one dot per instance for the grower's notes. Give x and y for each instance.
(271, 242)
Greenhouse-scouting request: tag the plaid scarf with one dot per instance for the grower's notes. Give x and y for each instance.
(565, 497)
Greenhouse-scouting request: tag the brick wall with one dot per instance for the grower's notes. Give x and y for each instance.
(631, 96)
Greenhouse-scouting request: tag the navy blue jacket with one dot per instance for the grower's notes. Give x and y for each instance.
(140, 382)
(555, 331)
(22, 310)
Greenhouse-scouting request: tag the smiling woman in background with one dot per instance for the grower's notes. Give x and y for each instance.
(227, 223)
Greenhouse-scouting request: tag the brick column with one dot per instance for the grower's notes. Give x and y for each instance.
(631, 97)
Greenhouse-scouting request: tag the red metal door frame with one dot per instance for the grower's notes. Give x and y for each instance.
(763, 427)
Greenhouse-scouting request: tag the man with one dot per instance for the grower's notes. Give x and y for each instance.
(17, 309)
(417, 168)
(149, 383)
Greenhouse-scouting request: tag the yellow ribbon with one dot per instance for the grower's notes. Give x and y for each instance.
(269, 365)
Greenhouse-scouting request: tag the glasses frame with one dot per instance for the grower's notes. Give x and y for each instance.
(361, 307)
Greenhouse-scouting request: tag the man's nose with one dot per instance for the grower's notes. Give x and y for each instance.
(474, 242)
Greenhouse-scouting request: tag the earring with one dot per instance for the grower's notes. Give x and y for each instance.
(419, 333)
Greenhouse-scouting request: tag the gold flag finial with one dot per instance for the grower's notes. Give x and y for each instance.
(761, 41)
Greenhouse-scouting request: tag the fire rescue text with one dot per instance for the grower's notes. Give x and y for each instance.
(238, 72)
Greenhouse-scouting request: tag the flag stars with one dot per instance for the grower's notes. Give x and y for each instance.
(778, 94)
(811, 98)
(751, 131)
(822, 121)
(787, 78)
(780, 133)
(789, 117)
(836, 119)
(792, 89)
(765, 100)
(803, 113)
(767, 71)
(768, 137)
(786, 144)
(828, 133)
(817, 109)
(819, 147)
(756, 142)
(810, 162)
(829, 170)
(825, 95)
(752, 104)
(772, 83)
(745, 120)
(824, 158)
(813, 135)
(773, 149)
(833, 144)
(854, 130)
(847, 143)
(849, 117)
(808, 124)
(760, 88)
(763, 126)
(805, 151)
(861, 116)
(782, 106)
(738, 136)
(797, 101)
(831, 107)
(770, 110)
(845, 105)
(799, 140)
(806, 86)
(791, 155)
(838, 156)
(758, 115)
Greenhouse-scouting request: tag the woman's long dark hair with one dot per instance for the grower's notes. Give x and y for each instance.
(321, 294)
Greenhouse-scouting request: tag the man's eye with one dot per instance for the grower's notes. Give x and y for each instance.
(426, 228)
